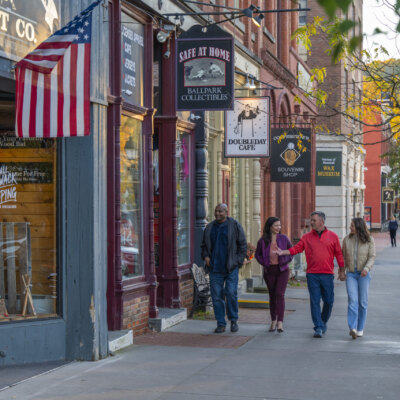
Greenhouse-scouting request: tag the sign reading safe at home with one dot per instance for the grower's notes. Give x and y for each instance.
(290, 155)
(205, 77)
(24, 24)
(329, 168)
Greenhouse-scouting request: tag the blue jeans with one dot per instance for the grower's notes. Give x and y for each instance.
(320, 286)
(224, 294)
(357, 291)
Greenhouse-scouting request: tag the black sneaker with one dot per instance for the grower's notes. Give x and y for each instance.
(234, 326)
(220, 329)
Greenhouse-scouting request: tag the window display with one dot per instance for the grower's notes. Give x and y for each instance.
(183, 196)
(131, 197)
(28, 240)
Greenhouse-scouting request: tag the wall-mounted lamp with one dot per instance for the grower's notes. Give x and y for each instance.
(356, 185)
(165, 33)
(257, 20)
(248, 12)
(167, 54)
(249, 83)
(162, 36)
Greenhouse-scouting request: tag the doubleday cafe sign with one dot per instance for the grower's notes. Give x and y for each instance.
(205, 69)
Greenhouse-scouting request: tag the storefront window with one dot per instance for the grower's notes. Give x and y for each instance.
(183, 196)
(131, 197)
(28, 249)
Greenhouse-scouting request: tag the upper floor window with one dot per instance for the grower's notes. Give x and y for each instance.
(302, 14)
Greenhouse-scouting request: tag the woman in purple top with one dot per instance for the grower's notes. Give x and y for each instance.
(276, 269)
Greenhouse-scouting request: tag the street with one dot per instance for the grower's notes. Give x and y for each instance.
(188, 362)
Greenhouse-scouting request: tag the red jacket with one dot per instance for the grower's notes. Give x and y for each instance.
(320, 251)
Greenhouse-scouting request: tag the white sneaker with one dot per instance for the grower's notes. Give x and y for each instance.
(353, 333)
(360, 333)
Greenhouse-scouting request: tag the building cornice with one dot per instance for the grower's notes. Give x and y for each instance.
(279, 70)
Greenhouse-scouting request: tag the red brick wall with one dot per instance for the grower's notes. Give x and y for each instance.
(136, 314)
(186, 292)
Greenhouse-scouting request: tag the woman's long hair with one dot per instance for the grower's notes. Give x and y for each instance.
(267, 236)
(361, 230)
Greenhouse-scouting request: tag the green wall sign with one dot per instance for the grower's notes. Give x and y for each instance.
(329, 168)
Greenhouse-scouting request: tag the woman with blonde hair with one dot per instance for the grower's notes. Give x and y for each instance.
(359, 255)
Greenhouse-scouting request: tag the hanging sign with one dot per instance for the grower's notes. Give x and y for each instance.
(132, 52)
(25, 24)
(205, 69)
(290, 155)
(387, 195)
(329, 168)
(247, 128)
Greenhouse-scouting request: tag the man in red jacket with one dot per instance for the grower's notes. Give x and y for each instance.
(321, 246)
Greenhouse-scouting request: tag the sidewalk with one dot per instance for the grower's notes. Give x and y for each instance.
(188, 362)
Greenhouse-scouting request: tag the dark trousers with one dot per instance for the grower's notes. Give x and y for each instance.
(224, 295)
(276, 281)
(320, 286)
(393, 237)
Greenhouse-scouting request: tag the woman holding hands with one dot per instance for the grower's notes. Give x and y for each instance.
(359, 256)
(276, 269)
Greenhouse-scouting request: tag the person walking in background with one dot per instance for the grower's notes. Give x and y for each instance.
(359, 257)
(224, 249)
(321, 246)
(276, 269)
(393, 226)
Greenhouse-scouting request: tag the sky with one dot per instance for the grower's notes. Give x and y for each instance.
(377, 14)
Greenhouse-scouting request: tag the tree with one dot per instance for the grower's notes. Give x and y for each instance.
(380, 79)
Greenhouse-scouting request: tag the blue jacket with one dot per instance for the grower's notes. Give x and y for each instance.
(262, 252)
(393, 225)
(237, 244)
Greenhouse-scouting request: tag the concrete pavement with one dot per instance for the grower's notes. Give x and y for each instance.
(252, 364)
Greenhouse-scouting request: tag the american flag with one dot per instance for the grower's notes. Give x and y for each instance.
(53, 83)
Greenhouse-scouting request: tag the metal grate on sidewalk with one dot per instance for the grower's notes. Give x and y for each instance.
(192, 340)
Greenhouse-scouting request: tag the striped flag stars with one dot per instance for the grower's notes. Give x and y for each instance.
(53, 83)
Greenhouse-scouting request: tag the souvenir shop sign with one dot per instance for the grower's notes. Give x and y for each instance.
(290, 155)
(387, 195)
(25, 24)
(329, 168)
(247, 129)
(205, 70)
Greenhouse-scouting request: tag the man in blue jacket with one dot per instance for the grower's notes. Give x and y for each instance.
(224, 249)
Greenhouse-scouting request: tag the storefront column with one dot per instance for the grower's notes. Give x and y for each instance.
(167, 271)
(285, 207)
(256, 220)
(201, 186)
(246, 197)
(148, 192)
